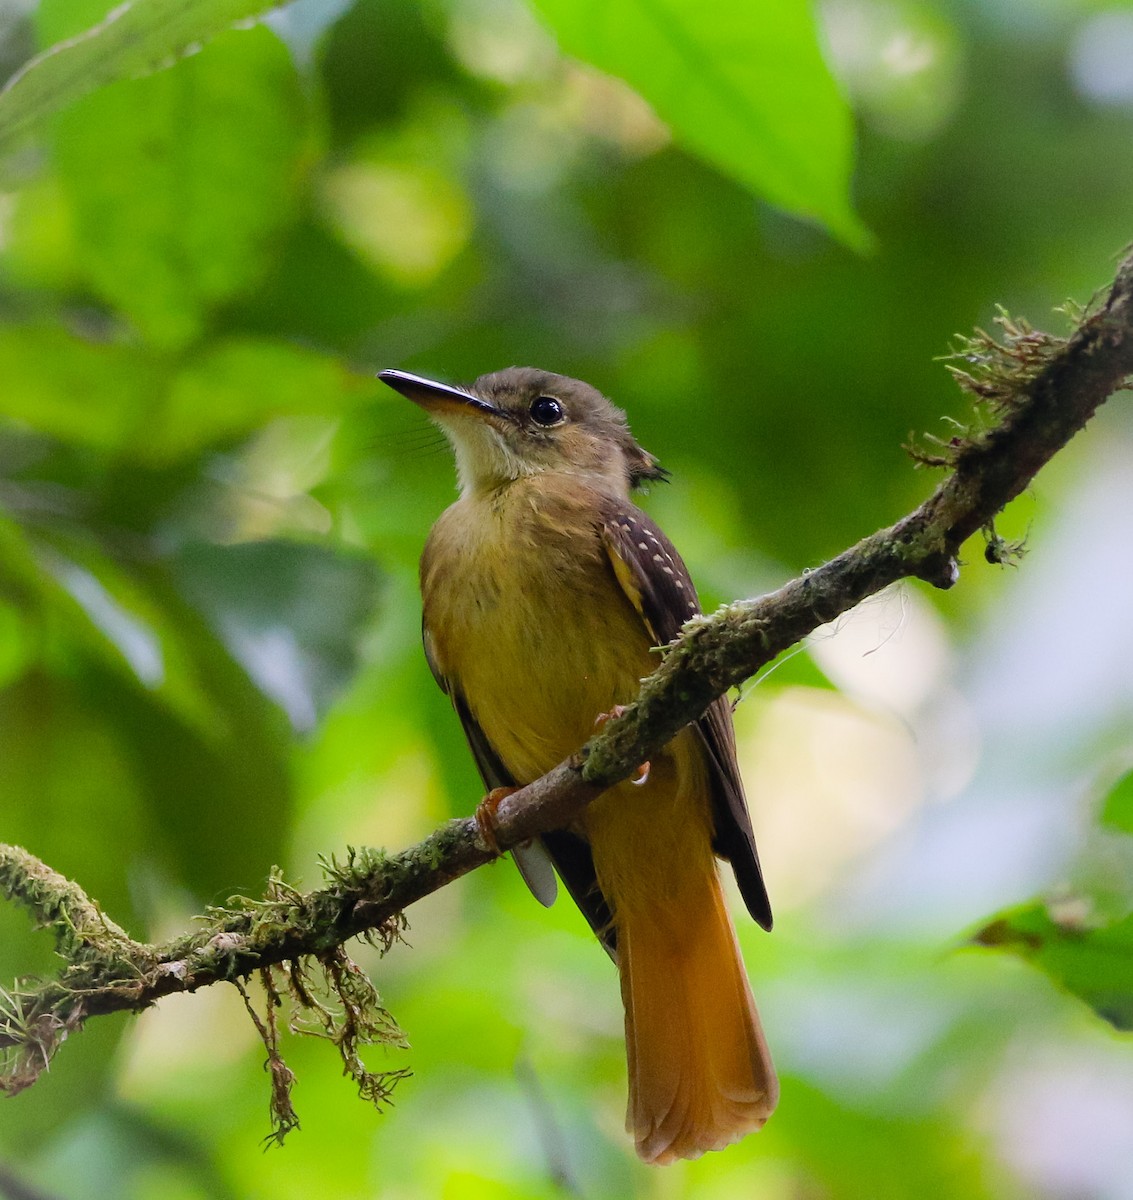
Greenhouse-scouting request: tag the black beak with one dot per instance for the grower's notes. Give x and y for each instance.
(431, 395)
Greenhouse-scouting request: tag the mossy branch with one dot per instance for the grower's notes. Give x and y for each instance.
(1033, 393)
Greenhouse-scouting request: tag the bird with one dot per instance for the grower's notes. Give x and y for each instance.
(544, 591)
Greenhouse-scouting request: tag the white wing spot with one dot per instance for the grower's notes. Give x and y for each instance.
(642, 546)
(656, 557)
(668, 570)
(680, 585)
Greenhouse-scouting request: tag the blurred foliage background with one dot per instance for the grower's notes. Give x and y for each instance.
(210, 515)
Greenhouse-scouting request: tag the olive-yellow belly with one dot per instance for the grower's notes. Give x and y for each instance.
(525, 617)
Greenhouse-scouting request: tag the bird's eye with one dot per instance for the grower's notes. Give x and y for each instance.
(547, 411)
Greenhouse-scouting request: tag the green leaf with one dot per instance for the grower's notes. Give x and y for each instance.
(221, 797)
(257, 597)
(118, 618)
(133, 39)
(1117, 808)
(154, 408)
(81, 605)
(742, 84)
(84, 392)
(181, 184)
(1092, 961)
(236, 385)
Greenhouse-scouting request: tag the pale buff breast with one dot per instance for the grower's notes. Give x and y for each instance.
(524, 616)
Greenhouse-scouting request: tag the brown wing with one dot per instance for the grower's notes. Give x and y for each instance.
(657, 582)
(569, 853)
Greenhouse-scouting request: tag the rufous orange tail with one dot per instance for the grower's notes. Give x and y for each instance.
(700, 1074)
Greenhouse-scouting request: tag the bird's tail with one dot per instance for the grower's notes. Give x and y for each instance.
(700, 1074)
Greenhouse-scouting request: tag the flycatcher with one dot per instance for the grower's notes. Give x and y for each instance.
(544, 588)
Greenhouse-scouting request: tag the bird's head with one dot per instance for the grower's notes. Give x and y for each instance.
(522, 421)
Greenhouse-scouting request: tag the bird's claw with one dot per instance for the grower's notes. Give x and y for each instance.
(485, 815)
(641, 775)
(615, 712)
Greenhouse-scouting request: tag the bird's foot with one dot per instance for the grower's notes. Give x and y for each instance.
(615, 712)
(486, 816)
(642, 773)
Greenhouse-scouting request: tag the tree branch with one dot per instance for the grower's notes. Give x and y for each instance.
(1035, 392)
